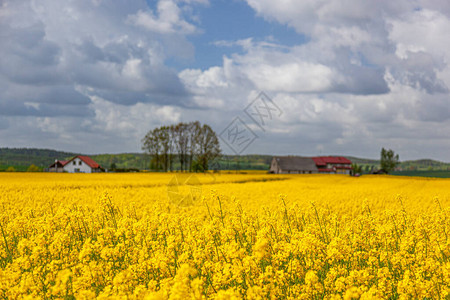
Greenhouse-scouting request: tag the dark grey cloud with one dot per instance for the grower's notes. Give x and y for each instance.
(83, 75)
(58, 100)
(91, 53)
(48, 50)
(16, 108)
(66, 95)
(84, 65)
(434, 109)
(174, 95)
(29, 45)
(361, 80)
(419, 70)
(27, 57)
(4, 124)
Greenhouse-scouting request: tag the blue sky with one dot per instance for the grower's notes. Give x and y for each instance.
(348, 76)
(230, 21)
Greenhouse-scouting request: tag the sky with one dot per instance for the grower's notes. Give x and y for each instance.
(291, 77)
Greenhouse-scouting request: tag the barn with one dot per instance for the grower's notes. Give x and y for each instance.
(333, 164)
(292, 165)
(78, 164)
(57, 166)
(310, 165)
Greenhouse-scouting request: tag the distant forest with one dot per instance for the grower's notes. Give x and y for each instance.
(21, 159)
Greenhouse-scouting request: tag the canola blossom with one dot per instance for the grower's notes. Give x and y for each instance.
(223, 236)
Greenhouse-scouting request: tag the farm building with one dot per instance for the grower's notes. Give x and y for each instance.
(57, 166)
(310, 165)
(78, 164)
(333, 164)
(292, 165)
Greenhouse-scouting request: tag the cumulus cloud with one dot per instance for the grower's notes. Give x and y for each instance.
(57, 57)
(168, 20)
(363, 39)
(364, 74)
(84, 48)
(369, 74)
(4, 124)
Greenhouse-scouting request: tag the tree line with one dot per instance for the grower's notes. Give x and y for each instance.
(194, 145)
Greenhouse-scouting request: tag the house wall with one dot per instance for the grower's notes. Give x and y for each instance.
(274, 167)
(328, 172)
(343, 171)
(296, 172)
(57, 170)
(79, 167)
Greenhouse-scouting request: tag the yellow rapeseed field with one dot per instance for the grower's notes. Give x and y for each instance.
(223, 236)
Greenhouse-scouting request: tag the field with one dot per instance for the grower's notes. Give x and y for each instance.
(435, 173)
(223, 236)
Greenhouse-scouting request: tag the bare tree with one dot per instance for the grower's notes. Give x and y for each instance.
(151, 145)
(208, 145)
(164, 140)
(194, 136)
(171, 131)
(193, 144)
(181, 140)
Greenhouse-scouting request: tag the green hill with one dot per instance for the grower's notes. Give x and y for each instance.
(407, 165)
(22, 158)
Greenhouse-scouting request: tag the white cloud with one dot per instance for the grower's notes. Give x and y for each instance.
(129, 121)
(317, 114)
(421, 39)
(290, 76)
(167, 21)
(366, 75)
(421, 31)
(89, 44)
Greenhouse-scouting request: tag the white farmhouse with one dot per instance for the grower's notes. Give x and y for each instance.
(78, 164)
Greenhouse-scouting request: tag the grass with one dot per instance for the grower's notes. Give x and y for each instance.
(437, 173)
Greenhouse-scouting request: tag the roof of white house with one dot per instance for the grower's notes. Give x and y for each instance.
(87, 160)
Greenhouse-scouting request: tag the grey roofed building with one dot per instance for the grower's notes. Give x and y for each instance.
(293, 165)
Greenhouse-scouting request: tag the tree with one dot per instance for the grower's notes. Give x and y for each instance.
(194, 132)
(11, 169)
(33, 168)
(192, 143)
(356, 169)
(165, 146)
(181, 140)
(389, 160)
(208, 145)
(151, 145)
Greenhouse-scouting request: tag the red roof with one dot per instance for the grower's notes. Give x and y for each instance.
(63, 162)
(89, 161)
(57, 163)
(324, 160)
